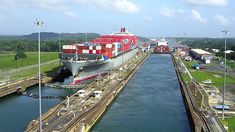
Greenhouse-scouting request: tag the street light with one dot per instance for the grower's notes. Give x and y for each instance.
(18, 65)
(39, 24)
(59, 47)
(225, 68)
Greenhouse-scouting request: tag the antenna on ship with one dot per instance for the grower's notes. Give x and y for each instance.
(39, 24)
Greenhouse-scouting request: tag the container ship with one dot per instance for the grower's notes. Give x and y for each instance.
(162, 47)
(89, 59)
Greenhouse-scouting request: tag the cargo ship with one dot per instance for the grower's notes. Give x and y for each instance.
(162, 47)
(89, 59)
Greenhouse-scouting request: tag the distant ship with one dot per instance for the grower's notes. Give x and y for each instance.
(162, 47)
(89, 59)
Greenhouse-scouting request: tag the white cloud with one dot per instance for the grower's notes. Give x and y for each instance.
(1, 18)
(70, 14)
(209, 2)
(121, 6)
(148, 18)
(167, 12)
(181, 11)
(233, 18)
(197, 16)
(54, 5)
(222, 20)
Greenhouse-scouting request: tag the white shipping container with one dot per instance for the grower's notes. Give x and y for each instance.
(108, 45)
(116, 48)
(85, 51)
(71, 47)
(90, 47)
(98, 47)
(64, 46)
(93, 51)
(80, 44)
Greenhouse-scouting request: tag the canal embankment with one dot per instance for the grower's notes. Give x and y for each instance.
(19, 86)
(201, 115)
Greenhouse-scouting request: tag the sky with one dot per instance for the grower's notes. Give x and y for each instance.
(149, 18)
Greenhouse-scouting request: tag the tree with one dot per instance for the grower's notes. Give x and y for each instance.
(19, 55)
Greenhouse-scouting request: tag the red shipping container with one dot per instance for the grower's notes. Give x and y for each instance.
(98, 52)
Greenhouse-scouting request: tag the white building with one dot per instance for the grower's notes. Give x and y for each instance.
(215, 50)
(229, 51)
(201, 54)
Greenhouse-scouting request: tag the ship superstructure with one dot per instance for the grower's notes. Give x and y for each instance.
(162, 47)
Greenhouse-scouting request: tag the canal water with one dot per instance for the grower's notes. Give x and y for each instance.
(150, 102)
(16, 111)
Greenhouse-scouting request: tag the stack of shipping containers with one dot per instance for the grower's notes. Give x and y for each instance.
(109, 46)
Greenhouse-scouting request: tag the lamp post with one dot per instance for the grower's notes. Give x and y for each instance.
(39, 24)
(18, 65)
(225, 68)
(59, 48)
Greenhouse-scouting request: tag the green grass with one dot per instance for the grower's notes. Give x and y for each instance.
(186, 77)
(230, 64)
(8, 61)
(189, 64)
(231, 123)
(48, 68)
(201, 75)
(233, 91)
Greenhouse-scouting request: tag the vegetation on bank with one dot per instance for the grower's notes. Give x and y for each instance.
(216, 78)
(202, 75)
(230, 122)
(8, 60)
(45, 69)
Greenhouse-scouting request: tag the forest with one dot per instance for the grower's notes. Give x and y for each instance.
(49, 41)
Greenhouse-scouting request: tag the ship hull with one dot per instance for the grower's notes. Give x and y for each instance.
(91, 71)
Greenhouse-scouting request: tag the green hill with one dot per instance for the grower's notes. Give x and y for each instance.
(64, 36)
(49, 41)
